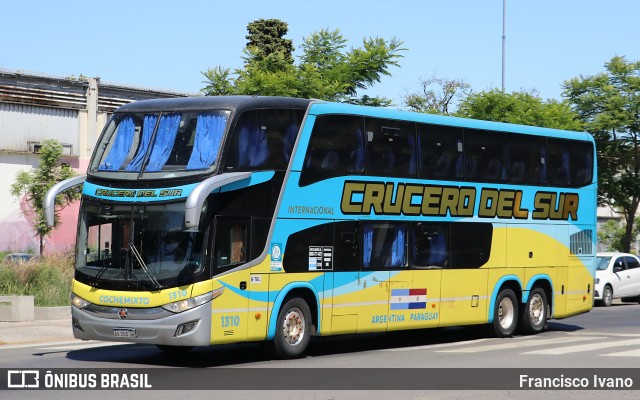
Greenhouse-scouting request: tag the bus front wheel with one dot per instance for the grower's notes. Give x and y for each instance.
(293, 329)
(505, 314)
(536, 310)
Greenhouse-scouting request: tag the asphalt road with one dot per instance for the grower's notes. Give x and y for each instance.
(603, 338)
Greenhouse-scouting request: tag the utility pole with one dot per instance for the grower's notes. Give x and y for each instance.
(504, 38)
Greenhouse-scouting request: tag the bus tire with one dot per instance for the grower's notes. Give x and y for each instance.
(535, 314)
(505, 314)
(293, 329)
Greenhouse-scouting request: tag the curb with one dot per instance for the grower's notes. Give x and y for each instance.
(39, 314)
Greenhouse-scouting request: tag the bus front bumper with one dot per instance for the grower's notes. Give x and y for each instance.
(188, 328)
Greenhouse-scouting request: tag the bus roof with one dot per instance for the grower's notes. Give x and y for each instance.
(242, 103)
(238, 103)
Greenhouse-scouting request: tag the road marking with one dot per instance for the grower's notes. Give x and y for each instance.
(437, 346)
(506, 344)
(628, 353)
(586, 347)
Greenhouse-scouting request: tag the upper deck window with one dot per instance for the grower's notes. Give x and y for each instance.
(391, 149)
(336, 148)
(160, 144)
(263, 140)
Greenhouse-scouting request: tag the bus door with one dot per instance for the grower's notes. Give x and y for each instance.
(414, 300)
(360, 296)
(230, 246)
(384, 269)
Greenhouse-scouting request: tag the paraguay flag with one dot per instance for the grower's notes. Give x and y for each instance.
(408, 299)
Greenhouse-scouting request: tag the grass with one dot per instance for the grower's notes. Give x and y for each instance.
(47, 279)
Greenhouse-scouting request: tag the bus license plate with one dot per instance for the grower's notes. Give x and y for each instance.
(124, 332)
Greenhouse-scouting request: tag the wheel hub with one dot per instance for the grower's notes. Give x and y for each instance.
(536, 310)
(293, 326)
(506, 313)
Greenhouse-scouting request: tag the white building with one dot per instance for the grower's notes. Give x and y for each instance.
(35, 107)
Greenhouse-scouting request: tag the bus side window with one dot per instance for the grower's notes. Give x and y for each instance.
(582, 163)
(391, 147)
(346, 246)
(470, 244)
(485, 155)
(336, 148)
(263, 139)
(440, 152)
(384, 245)
(430, 245)
(559, 162)
(301, 250)
(526, 165)
(230, 246)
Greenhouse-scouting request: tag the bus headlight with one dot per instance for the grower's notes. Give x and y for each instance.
(79, 301)
(188, 304)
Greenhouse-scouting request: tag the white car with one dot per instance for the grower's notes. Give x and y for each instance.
(617, 276)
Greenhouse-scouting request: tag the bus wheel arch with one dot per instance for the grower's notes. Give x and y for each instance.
(506, 309)
(293, 322)
(310, 298)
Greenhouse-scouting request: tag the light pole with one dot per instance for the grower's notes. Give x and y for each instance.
(504, 37)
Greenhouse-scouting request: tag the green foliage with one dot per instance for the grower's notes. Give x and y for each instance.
(35, 183)
(518, 108)
(611, 235)
(608, 103)
(48, 280)
(438, 96)
(326, 70)
(266, 37)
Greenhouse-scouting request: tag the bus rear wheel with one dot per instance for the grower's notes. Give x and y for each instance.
(505, 314)
(293, 329)
(536, 312)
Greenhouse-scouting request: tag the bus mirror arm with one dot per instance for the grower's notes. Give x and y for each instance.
(196, 199)
(49, 203)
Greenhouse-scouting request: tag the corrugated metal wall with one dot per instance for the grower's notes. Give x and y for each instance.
(22, 123)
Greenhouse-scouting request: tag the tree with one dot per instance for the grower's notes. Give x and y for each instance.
(522, 107)
(35, 183)
(326, 70)
(438, 95)
(611, 235)
(608, 104)
(266, 37)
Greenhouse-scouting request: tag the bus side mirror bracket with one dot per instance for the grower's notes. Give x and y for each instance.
(49, 203)
(195, 201)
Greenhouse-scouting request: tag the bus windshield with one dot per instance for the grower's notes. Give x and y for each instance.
(137, 247)
(160, 145)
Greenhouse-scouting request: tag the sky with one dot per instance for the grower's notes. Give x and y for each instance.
(168, 44)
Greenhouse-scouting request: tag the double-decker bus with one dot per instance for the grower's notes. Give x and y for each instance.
(230, 219)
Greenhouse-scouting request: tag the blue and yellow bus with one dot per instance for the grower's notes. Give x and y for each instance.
(230, 219)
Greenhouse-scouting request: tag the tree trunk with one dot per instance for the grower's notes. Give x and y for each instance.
(630, 219)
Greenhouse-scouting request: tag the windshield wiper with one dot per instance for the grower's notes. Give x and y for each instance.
(138, 257)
